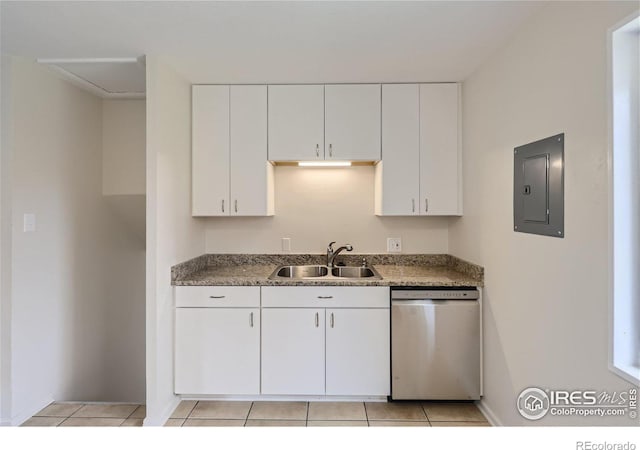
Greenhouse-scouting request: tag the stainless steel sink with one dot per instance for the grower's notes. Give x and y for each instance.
(323, 272)
(352, 272)
(300, 272)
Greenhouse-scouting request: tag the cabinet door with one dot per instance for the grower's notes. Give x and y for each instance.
(217, 351)
(352, 122)
(210, 151)
(358, 359)
(440, 167)
(296, 122)
(293, 351)
(397, 190)
(251, 173)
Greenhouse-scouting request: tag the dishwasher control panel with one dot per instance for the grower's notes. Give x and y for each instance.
(435, 294)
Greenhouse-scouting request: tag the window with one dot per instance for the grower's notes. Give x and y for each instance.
(625, 201)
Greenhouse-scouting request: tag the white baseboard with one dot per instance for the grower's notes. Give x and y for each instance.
(489, 414)
(159, 420)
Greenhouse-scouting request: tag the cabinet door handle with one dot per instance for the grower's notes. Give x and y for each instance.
(216, 296)
(236, 205)
(426, 205)
(330, 150)
(413, 205)
(332, 321)
(318, 150)
(251, 320)
(317, 320)
(223, 205)
(325, 296)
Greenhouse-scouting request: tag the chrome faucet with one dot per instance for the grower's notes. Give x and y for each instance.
(331, 254)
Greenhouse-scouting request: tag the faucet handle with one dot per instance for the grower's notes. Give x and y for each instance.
(330, 246)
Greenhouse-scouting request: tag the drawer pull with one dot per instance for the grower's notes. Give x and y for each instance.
(325, 296)
(216, 296)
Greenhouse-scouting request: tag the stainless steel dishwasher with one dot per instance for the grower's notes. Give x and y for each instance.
(435, 343)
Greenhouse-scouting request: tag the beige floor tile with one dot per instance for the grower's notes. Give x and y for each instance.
(279, 410)
(132, 422)
(139, 413)
(43, 422)
(395, 411)
(184, 409)
(100, 410)
(453, 412)
(397, 423)
(213, 423)
(220, 410)
(460, 424)
(337, 411)
(337, 423)
(174, 422)
(59, 410)
(91, 422)
(275, 423)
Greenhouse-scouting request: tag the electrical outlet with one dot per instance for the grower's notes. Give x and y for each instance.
(29, 223)
(286, 245)
(394, 245)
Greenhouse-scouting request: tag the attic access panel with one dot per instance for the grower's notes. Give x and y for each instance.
(538, 187)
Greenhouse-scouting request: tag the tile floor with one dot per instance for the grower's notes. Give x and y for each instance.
(88, 415)
(192, 413)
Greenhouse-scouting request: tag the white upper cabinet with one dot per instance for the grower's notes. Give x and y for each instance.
(420, 171)
(440, 152)
(296, 122)
(397, 177)
(352, 122)
(210, 151)
(251, 174)
(231, 175)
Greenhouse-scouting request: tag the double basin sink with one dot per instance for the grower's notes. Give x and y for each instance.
(313, 272)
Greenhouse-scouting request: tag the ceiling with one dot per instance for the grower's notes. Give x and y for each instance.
(272, 42)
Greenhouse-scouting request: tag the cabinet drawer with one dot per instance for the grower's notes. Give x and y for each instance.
(325, 297)
(217, 296)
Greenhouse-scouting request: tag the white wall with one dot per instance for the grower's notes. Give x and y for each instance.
(173, 235)
(77, 289)
(58, 328)
(123, 189)
(123, 145)
(5, 241)
(546, 304)
(315, 206)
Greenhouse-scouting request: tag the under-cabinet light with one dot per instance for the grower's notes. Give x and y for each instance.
(324, 163)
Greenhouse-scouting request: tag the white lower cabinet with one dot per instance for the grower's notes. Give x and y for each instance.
(293, 351)
(357, 348)
(333, 350)
(282, 340)
(217, 348)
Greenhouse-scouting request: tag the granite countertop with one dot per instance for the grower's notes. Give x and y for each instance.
(396, 270)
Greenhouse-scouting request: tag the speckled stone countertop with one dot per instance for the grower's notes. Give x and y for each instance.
(396, 270)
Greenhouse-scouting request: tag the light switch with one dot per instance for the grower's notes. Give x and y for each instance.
(29, 223)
